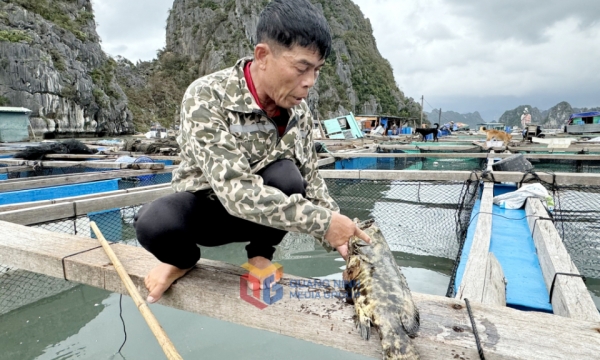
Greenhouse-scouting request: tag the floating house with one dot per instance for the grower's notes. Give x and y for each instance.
(13, 124)
(393, 125)
(493, 126)
(588, 122)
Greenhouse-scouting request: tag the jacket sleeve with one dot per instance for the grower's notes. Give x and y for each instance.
(242, 193)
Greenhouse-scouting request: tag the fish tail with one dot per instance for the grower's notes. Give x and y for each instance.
(409, 316)
(397, 346)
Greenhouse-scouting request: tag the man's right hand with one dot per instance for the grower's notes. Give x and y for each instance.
(341, 230)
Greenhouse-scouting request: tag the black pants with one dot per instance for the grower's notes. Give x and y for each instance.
(171, 227)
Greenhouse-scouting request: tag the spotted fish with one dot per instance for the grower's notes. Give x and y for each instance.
(381, 295)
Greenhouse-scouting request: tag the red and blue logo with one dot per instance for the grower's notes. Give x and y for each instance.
(259, 286)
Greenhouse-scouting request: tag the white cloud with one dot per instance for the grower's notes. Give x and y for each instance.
(134, 29)
(463, 55)
(517, 51)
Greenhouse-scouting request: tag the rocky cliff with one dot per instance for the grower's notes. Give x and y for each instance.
(557, 116)
(51, 62)
(204, 36)
(513, 117)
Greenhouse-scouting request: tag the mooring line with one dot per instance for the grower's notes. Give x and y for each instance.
(77, 253)
(477, 341)
(554, 280)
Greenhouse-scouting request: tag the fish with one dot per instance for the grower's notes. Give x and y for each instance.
(381, 296)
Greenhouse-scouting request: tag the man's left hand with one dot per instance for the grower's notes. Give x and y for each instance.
(343, 250)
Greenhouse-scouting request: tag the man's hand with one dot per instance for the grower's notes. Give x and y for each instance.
(339, 232)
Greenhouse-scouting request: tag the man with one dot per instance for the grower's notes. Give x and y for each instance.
(249, 169)
(448, 126)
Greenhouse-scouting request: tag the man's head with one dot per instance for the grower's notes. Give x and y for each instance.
(293, 41)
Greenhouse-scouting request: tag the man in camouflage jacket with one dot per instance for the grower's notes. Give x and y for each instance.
(248, 158)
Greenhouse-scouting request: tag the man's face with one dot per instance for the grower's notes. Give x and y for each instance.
(290, 73)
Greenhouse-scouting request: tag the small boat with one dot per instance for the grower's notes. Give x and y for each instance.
(587, 122)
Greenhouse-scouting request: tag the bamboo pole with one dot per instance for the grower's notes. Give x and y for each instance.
(162, 338)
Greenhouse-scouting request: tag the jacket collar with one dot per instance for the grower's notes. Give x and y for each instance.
(238, 97)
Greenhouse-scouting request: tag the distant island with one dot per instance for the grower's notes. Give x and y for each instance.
(555, 117)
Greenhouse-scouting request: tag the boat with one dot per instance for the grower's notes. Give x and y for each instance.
(580, 123)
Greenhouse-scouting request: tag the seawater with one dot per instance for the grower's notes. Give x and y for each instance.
(84, 322)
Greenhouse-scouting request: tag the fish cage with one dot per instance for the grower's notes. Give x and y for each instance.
(424, 222)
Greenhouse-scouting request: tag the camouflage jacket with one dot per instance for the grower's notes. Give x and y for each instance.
(226, 139)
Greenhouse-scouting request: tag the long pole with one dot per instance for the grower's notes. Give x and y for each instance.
(422, 98)
(440, 118)
(162, 338)
(321, 126)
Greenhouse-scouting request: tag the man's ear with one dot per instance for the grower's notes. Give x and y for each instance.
(261, 55)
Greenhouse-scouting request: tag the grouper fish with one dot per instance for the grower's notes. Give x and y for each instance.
(381, 295)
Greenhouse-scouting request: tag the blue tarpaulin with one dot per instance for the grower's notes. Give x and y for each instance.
(585, 114)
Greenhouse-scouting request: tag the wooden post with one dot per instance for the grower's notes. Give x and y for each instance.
(570, 297)
(321, 127)
(162, 338)
(422, 99)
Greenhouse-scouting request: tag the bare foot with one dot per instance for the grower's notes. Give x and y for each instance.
(263, 263)
(160, 279)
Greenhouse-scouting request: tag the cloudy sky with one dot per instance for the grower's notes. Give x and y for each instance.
(462, 55)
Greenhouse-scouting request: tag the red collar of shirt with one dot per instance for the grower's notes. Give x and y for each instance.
(252, 89)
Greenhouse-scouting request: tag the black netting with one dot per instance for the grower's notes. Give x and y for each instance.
(416, 217)
(563, 165)
(577, 219)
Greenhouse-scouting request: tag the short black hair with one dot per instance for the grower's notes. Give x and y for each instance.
(294, 22)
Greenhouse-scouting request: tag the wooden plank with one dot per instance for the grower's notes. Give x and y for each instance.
(427, 148)
(327, 161)
(473, 281)
(89, 164)
(76, 156)
(213, 289)
(432, 175)
(570, 296)
(32, 204)
(9, 169)
(46, 181)
(556, 156)
(59, 211)
(494, 291)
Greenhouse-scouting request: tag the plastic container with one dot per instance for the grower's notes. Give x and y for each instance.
(515, 162)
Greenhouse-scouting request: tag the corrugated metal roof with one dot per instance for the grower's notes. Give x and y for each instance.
(14, 109)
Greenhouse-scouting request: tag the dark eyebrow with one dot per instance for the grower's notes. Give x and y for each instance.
(307, 63)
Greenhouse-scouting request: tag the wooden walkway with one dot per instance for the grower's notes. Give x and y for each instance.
(212, 289)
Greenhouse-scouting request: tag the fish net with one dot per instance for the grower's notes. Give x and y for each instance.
(426, 218)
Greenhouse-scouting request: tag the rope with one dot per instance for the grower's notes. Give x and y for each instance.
(77, 253)
(535, 222)
(554, 280)
(122, 322)
(475, 332)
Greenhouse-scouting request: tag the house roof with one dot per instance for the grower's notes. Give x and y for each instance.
(585, 114)
(14, 109)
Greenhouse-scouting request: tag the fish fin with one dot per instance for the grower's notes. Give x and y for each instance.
(364, 325)
(410, 318)
(411, 322)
